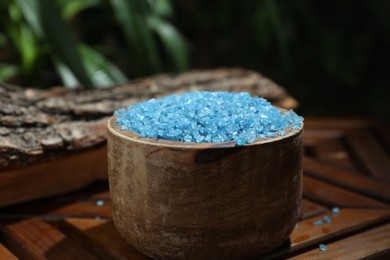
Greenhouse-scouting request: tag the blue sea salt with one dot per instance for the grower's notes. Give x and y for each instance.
(327, 219)
(335, 211)
(322, 247)
(100, 203)
(318, 223)
(207, 117)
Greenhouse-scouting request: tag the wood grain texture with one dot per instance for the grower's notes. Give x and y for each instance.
(53, 177)
(371, 155)
(332, 196)
(347, 179)
(100, 237)
(307, 235)
(185, 200)
(5, 254)
(310, 209)
(371, 244)
(36, 239)
(333, 150)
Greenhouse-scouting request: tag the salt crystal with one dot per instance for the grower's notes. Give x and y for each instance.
(207, 117)
(100, 203)
(318, 223)
(335, 211)
(322, 247)
(327, 219)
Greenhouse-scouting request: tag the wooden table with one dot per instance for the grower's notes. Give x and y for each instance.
(346, 165)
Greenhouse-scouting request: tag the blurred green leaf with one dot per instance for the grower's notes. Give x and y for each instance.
(280, 32)
(7, 71)
(14, 12)
(173, 41)
(3, 40)
(26, 44)
(131, 16)
(60, 39)
(72, 7)
(102, 72)
(30, 12)
(161, 7)
(67, 76)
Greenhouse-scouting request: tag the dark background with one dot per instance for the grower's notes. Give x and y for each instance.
(333, 56)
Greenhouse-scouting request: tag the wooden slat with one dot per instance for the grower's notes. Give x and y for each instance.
(358, 183)
(331, 195)
(101, 237)
(348, 221)
(310, 209)
(333, 150)
(5, 254)
(370, 153)
(337, 123)
(42, 180)
(60, 210)
(372, 243)
(36, 239)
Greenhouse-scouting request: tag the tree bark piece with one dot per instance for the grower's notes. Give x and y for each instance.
(41, 125)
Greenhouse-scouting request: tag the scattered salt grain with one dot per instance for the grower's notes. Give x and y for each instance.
(327, 219)
(318, 223)
(322, 247)
(296, 226)
(100, 203)
(207, 117)
(335, 211)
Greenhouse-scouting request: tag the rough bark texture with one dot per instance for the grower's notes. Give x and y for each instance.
(41, 125)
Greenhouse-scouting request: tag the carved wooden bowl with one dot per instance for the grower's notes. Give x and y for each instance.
(176, 200)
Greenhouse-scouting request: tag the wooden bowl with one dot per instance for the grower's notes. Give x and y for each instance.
(176, 200)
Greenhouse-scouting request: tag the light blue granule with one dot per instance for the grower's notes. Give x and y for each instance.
(322, 247)
(100, 203)
(318, 223)
(327, 219)
(207, 117)
(335, 211)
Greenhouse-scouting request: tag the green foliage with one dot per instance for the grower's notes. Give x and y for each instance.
(38, 31)
(319, 50)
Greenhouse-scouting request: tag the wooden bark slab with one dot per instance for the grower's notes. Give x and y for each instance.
(40, 131)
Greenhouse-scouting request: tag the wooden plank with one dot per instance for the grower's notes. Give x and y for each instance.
(331, 195)
(342, 123)
(5, 254)
(101, 237)
(370, 153)
(54, 177)
(310, 209)
(36, 239)
(333, 150)
(348, 221)
(359, 183)
(372, 243)
(55, 210)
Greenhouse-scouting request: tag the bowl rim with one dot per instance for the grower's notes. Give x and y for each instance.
(133, 137)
